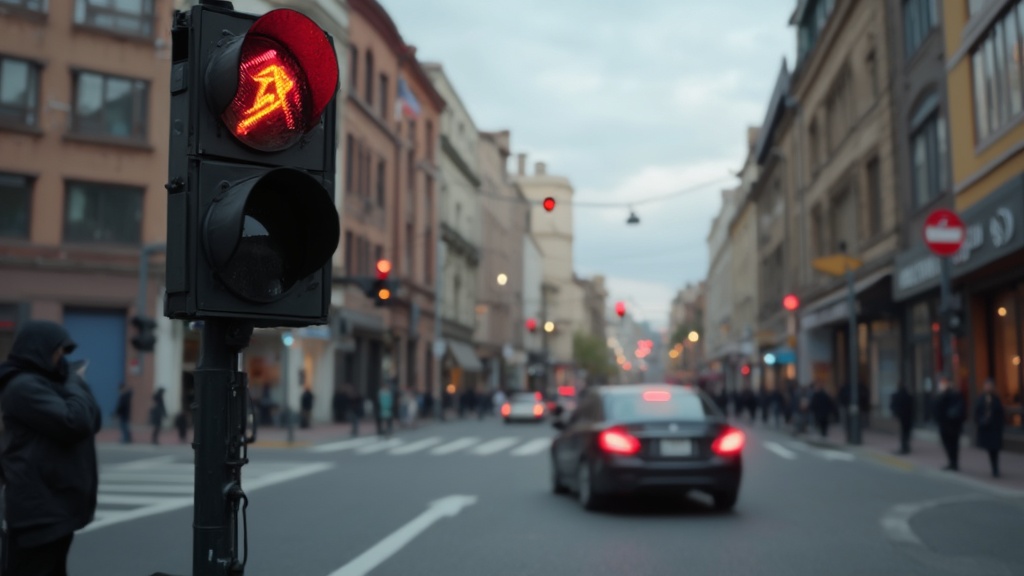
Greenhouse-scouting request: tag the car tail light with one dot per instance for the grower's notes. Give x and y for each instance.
(566, 391)
(729, 443)
(618, 441)
(506, 409)
(538, 409)
(657, 396)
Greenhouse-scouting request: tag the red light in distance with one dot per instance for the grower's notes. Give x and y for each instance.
(620, 308)
(745, 370)
(383, 269)
(618, 441)
(790, 302)
(549, 204)
(657, 396)
(531, 324)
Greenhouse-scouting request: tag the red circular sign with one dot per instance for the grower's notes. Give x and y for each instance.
(944, 232)
(549, 204)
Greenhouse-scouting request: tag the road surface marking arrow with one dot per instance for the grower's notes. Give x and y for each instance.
(446, 507)
(780, 450)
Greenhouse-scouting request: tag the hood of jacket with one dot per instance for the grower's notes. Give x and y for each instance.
(33, 350)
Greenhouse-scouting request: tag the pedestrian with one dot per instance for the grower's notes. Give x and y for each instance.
(356, 409)
(306, 408)
(950, 415)
(990, 419)
(385, 410)
(902, 406)
(499, 399)
(157, 414)
(48, 461)
(123, 412)
(822, 408)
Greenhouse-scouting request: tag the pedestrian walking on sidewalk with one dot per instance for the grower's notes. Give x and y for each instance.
(902, 406)
(157, 414)
(385, 410)
(123, 412)
(823, 408)
(355, 407)
(48, 462)
(306, 408)
(990, 418)
(950, 415)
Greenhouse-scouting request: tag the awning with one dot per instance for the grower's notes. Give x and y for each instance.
(780, 356)
(833, 307)
(465, 356)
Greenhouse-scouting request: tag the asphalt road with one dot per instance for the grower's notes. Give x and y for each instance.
(472, 498)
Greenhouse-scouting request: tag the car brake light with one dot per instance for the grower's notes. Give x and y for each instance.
(657, 396)
(618, 441)
(538, 409)
(730, 443)
(566, 391)
(506, 409)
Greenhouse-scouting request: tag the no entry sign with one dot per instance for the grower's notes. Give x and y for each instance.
(944, 232)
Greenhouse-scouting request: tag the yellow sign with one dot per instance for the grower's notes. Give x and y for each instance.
(835, 264)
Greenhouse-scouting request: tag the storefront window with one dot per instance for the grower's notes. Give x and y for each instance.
(1006, 351)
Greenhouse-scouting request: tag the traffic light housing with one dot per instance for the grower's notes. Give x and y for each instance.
(145, 337)
(383, 289)
(251, 220)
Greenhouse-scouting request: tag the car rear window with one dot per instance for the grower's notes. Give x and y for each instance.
(524, 397)
(659, 405)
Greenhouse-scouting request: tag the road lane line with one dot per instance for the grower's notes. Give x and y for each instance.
(447, 507)
(416, 446)
(150, 477)
(343, 444)
(534, 446)
(380, 446)
(147, 488)
(780, 450)
(124, 500)
(495, 446)
(454, 446)
(835, 455)
(144, 463)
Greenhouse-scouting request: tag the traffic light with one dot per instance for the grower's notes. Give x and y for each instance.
(549, 204)
(620, 308)
(531, 324)
(745, 370)
(145, 339)
(382, 287)
(251, 218)
(790, 302)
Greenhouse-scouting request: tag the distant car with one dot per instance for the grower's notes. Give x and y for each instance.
(639, 437)
(524, 406)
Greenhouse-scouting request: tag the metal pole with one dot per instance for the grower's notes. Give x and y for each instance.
(140, 301)
(286, 374)
(853, 409)
(945, 304)
(438, 301)
(218, 445)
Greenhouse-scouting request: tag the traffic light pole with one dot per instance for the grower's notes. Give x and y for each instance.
(853, 410)
(220, 450)
(945, 305)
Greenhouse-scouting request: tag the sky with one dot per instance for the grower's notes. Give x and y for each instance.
(629, 100)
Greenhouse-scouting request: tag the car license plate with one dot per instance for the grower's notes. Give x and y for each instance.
(676, 448)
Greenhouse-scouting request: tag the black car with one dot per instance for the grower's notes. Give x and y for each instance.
(630, 438)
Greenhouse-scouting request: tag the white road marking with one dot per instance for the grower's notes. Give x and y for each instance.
(495, 446)
(896, 521)
(123, 500)
(532, 447)
(836, 455)
(144, 463)
(147, 488)
(147, 477)
(380, 446)
(343, 444)
(446, 507)
(454, 446)
(416, 446)
(780, 450)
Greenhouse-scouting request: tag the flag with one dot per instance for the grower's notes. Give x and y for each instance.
(407, 104)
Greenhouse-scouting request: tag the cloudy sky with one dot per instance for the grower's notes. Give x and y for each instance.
(629, 100)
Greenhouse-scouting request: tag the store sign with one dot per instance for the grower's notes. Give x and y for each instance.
(995, 228)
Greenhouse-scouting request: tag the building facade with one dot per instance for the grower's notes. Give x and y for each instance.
(742, 231)
(719, 332)
(83, 162)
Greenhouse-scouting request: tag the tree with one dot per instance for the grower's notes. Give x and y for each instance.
(591, 354)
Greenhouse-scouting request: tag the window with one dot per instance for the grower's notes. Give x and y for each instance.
(843, 221)
(110, 106)
(871, 63)
(410, 242)
(353, 68)
(430, 141)
(814, 19)
(812, 140)
(133, 17)
(920, 17)
(384, 96)
(997, 73)
(15, 205)
(368, 86)
(350, 145)
(818, 233)
(19, 92)
(839, 109)
(349, 250)
(975, 6)
(105, 213)
(27, 5)
(929, 154)
(428, 257)
(874, 190)
(381, 169)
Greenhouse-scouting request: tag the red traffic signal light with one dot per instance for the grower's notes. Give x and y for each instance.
(745, 370)
(790, 302)
(531, 324)
(383, 269)
(549, 204)
(620, 308)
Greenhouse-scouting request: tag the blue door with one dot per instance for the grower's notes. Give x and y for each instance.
(100, 335)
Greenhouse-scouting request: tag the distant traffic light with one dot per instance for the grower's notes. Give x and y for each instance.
(251, 220)
(145, 339)
(790, 302)
(531, 324)
(620, 308)
(549, 204)
(382, 287)
(745, 370)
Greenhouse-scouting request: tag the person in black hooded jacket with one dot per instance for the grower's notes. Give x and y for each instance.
(48, 456)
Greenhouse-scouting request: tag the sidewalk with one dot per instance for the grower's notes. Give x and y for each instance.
(266, 436)
(927, 455)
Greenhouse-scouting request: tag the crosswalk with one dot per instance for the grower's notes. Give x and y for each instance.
(150, 486)
(438, 446)
(794, 450)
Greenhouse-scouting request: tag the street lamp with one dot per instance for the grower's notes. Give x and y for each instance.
(549, 326)
(693, 336)
(502, 279)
